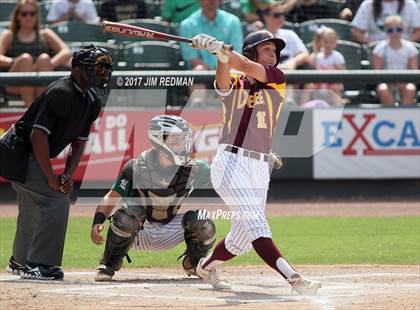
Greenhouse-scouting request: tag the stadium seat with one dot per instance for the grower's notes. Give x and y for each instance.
(4, 25)
(44, 7)
(153, 7)
(152, 55)
(77, 31)
(6, 8)
(307, 29)
(291, 26)
(113, 48)
(353, 53)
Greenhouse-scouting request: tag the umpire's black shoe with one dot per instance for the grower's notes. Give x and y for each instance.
(41, 272)
(14, 267)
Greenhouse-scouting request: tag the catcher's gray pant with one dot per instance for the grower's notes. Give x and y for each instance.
(42, 220)
(160, 237)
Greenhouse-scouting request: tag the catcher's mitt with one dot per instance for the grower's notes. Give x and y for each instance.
(275, 161)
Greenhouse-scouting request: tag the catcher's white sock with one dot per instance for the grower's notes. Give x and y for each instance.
(285, 268)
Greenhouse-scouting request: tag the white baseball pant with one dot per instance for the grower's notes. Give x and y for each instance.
(242, 182)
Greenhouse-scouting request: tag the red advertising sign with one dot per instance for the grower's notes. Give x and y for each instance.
(118, 135)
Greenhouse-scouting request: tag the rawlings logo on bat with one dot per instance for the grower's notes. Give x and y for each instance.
(129, 32)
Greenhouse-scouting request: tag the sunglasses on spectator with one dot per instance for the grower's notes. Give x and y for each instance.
(26, 13)
(394, 29)
(277, 14)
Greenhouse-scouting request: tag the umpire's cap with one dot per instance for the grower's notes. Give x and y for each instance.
(249, 48)
(91, 55)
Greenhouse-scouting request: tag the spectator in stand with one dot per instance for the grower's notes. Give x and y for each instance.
(176, 11)
(116, 10)
(295, 53)
(395, 53)
(368, 24)
(67, 10)
(349, 9)
(309, 10)
(252, 9)
(215, 22)
(26, 47)
(325, 57)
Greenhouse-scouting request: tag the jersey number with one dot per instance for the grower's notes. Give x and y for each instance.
(261, 119)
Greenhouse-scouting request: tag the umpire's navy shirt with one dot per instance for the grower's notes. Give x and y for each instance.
(63, 111)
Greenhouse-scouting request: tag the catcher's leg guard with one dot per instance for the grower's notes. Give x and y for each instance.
(125, 224)
(200, 236)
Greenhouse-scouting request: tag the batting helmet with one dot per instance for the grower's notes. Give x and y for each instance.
(161, 127)
(98, 64)
(249, 48)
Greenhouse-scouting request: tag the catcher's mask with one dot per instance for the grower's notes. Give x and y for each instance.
(171, 135)
(97, 63)
(249, 47)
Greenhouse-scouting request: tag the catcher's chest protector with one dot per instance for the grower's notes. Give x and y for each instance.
(161, 190)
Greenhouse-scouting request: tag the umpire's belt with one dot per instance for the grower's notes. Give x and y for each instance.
(246, 153)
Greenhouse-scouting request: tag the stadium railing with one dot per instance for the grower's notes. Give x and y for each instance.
(293, 77)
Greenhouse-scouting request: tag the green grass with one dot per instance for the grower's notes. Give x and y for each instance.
(302, 240)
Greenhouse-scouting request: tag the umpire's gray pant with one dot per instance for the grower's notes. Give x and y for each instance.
(42, 220)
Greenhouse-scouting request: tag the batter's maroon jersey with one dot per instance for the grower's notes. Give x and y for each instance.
(251, 111)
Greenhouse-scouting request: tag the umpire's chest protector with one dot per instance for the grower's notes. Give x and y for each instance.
(161, 190)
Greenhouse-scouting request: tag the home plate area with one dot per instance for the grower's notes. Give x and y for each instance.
(344, 287)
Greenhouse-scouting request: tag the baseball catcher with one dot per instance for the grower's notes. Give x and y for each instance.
(151, 189)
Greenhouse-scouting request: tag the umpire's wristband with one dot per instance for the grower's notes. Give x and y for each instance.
(99, 218)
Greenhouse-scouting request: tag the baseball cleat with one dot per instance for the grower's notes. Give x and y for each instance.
(212, 277)
(42, 272)
(303, 286)
(14, 267)
(105, 273)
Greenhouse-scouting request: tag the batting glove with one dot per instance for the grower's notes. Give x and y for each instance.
(202, 41)
(217, 48)
(275, 160)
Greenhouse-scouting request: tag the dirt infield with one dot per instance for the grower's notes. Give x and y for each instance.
(344, 287)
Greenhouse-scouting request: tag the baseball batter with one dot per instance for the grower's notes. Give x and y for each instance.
(240, 172)
(153, 187)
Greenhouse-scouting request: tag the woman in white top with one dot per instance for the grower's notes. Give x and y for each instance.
(368, 24)
(295, 53)
(395, 53)
(65, 10)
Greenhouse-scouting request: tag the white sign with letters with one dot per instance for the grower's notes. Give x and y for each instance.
(367, 143)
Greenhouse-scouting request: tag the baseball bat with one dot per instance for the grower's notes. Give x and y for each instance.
(140, 32)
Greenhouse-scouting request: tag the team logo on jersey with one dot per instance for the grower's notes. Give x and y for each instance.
(251, 100)
(123, 184)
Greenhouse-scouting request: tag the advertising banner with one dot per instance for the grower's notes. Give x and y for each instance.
(118, 135)
(367, 143)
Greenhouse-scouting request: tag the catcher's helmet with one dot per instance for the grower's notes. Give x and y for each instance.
(98, 63)
(163, 126)
(249, 47)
